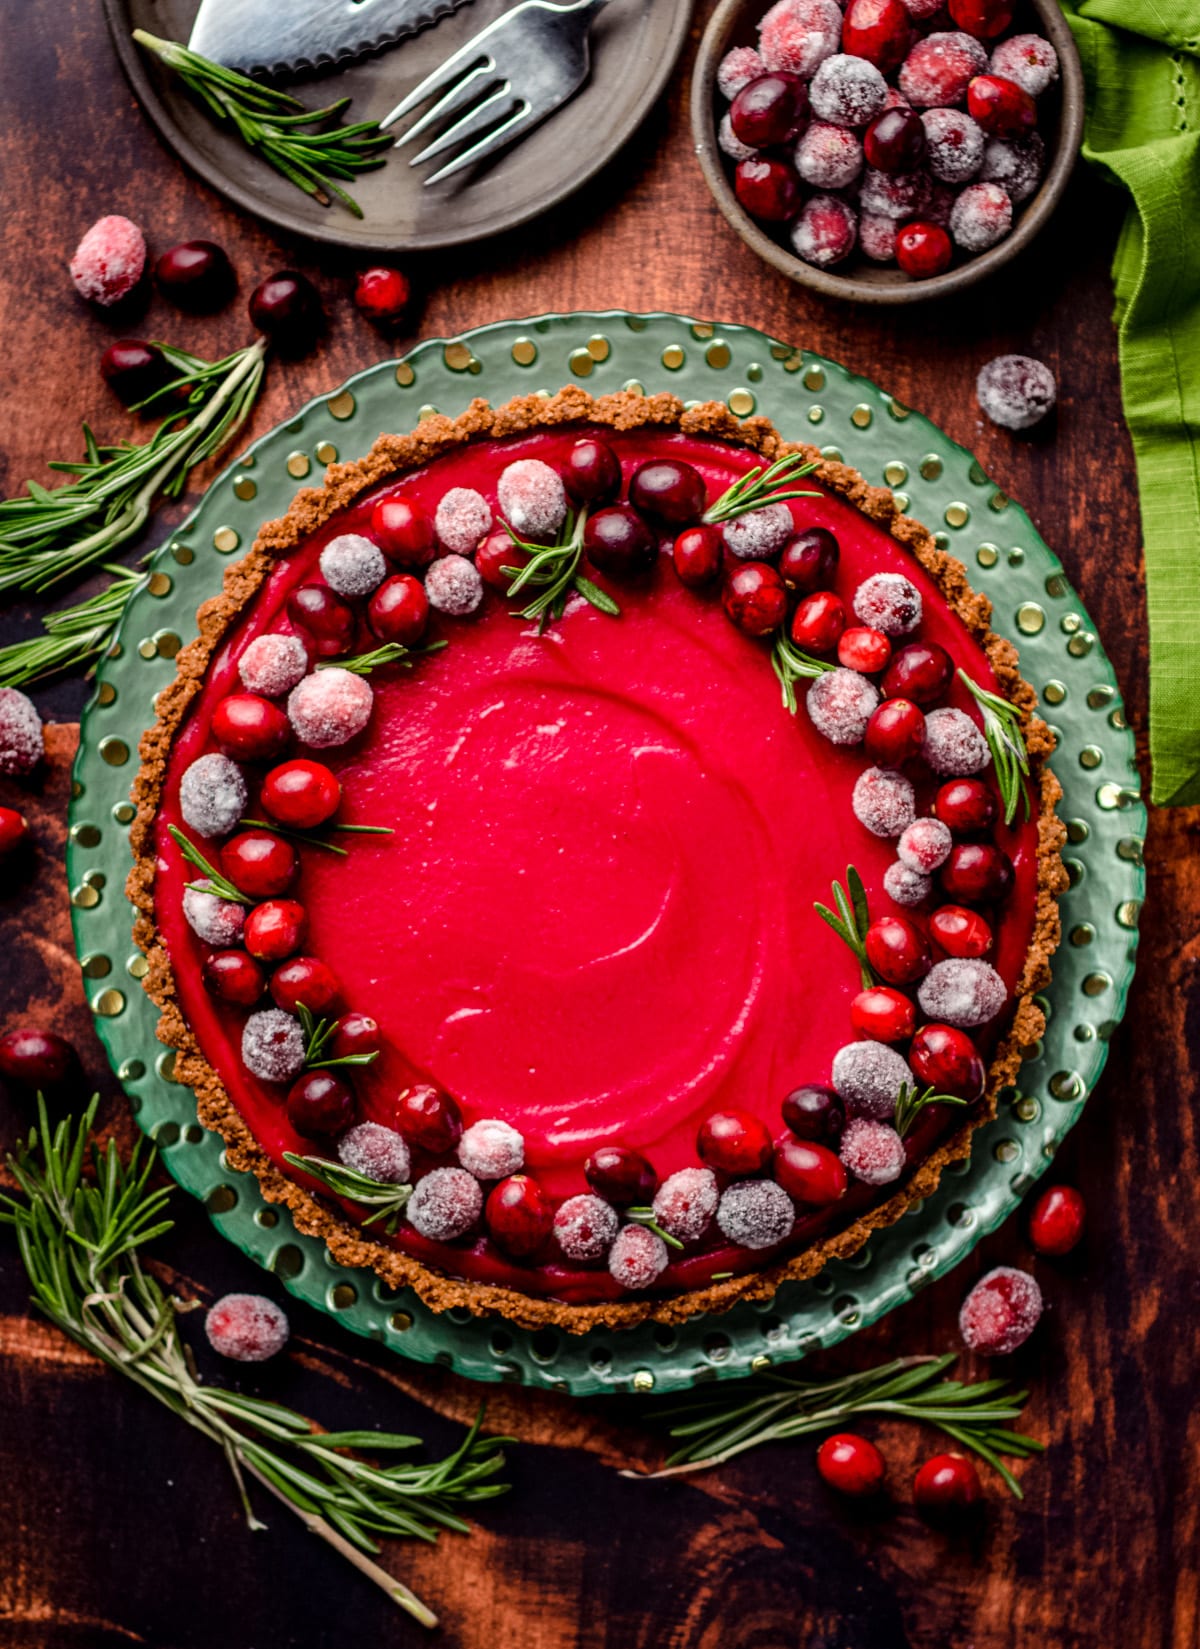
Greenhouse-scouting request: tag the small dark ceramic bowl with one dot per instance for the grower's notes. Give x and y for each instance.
(734, 23)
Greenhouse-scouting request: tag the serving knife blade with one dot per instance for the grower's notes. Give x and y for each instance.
(286, 36)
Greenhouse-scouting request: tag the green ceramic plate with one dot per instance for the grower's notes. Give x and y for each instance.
(940, 484)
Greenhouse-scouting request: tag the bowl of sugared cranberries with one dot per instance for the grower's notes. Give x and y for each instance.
(895, 151)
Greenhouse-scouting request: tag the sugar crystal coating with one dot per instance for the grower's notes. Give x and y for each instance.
(730, 143)
(737, 69)
(937, 71)
(877, 237)
(825, 232)
(532, 498)
(637, 1257)
(1029, 60)
(962, 991)
(829, 157)
(872, 1151)
(685, 1203)
(1016, 391)
(378, 1152)
(585, 1226)
(248, 1328)
(1016, 164)
(463, 516)
(755, 1213)
(954, 746)
(212, 795)
(217, 921)
(925, 845)
(1001, 1311)
(868, 1077)
(273, 664)
(445, 1204)
(453, 586)
(330, 707)
(491, 1149)
(799, 35)
(109, 260)
(759, 535)
(273, 1046)
(888, 602)
(839, 705)
(905, 886)
(847, 91)
(353, 566)
(953, 144)
(21, 742)
(897, 195)
(980, 217)
(940, 203)
(883, 801)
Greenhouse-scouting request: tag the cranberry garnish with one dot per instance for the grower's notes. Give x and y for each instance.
(976, 873)
(736, 1142)
(1056, 1224)
(815, 1113)
(768, 189)
(895, 732)
(303, 794)
(357, 1033)
(755, 598)
(945, 1058)
(591, 472)
(495, 553)
(864, 649)
(36, 1059)
(920, 671)
(134, 370)
(275, 929)
(883, 1014)
(923, 249)
(196, 275)
(320, 1103)
(1001, 107)
(960, 932)
(404, 531)
(697, 554)
(259, 863)
(818, 622)
(307, 980)
(323, 619)
(518, 1215)
(287, 307)
(232, 976)
(809, 1173)
(897, 949)
(851, 1465)
(429, 1118)
(945, 1487)
(985, 19)
(250, 727)
(383, 295)
(668, 490)
(14, 831)
(966, 806)
(619, 542)
(1001, 1311)
(621, 1176)
(770, 109)
(399, 610)
(880, 31)
(809, 560)
(895, 140)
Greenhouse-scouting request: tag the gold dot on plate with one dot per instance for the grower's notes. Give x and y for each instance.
(957, 515)
(427, 411)
(1080, 645)
(1117, 719)
(137, 967)
(405, 376)
(781, 352)
(1130, 849)
(643, 1380)
(95, 966)
(978, 474)
(1074, 872)
(1099, 697)
(999, 501)
(833, 454)
(581, 363)
(987, 555)
(131, 1071)
(598, 347)
(794, 362)
(636, 323)
(632, 386)
(1006, 1150)
(1085, 1032)
(109, 1003)
(673, 357)
(184, 554)
(1054, 692)
(298, 465)
(225, 540)
(343, 1296)
(930, 466)
(1091, 756)
(221, 1199)
(942, 540)
(165, 1065)
(95, 878)
(718, 354)
(106, 693)
(1066, 1085)
(115, 651)
(457, 356)
(524, 352)
(1030, 618)
(325, 452)
(114, 751)
(85, 898)
(1077, 830)
(702, 329)
(814, 378)
(1056, 585)
(124, 813)
(401, 1321)
(87, 835)
(1096, 984)
(1027, 1108)
(754, 372)
(159, 584)
(895, 473)
(341, 406)
(245, 488)
(1129, 912)
(815, 414)
(741, 403)
(1016, 556)
(759, 1363)
(1069, 623)
(897, 409)
(1082, 935)
(167, 643)
(861, 416)
(901, 500)
(148, 648)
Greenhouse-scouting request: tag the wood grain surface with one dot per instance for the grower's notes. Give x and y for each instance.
(121, 1528)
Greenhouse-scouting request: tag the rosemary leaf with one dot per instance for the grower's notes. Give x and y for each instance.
(386, 1199)
(645, 1216)
(910, 1102)
(392, 652)
(759, 487)
(1010, 758)
(318, 1035)
(73, 636)
(791, 665)
(851, 920)
(552, 570)
(221, 887)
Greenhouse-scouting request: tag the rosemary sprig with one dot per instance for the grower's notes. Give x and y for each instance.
(221, 887)
(73, 636)
(910, 1102)
(645, 1216)
(318, 1034)
(303, 145)
(386, 1199)
(759, 487)
(772, 1408)
(310, 838)
(851, 921)
(80, 1227)
(553, 571)
(791, 665)
(392, 652)
(1002, 730)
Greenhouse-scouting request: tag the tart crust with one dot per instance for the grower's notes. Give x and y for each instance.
(390, 457)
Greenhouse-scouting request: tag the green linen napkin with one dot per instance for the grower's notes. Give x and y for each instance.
(1143, 126)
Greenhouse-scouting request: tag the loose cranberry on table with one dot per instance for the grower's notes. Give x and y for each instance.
(623, 1177)
(320, 1104)
(945, 1487)
(809, 560)
(923, 250)
(287, 307)
(109, 261)
(769, 189)
(14, 831)
(518, 1215)
(810, 1173)
(880, 31)
(883, 1014)
(755, 598)
(895, 140)
(769, 110)
(404, 532)
(34, 1058)
(591, 472)
(357, 1033)
(863, 649)
(275, 929)
(134, 370)
(945, 1058)
(920, 671)
(898, 950)
(248, 1328)
(895, 733)
(619, 542)
(382, 294)
(1056, 1223)
(323, 619)
(429, 1117)
(735, 1142)
(399, 610)
(304, 980)
(232, 976)
(1000, 106)
(1001, 1311)
(960, 932)
(259, 863)
(851, 1464)
(196, 275)
(668, 489)
(495, 553)
(250, 727)
(814, 1113)
(967, 806)
(976, 873)
(303, 794)
(1016, 391)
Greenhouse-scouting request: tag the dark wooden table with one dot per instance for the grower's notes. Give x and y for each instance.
(120, 1527)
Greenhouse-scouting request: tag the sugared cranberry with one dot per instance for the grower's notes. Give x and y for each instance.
(769, 110)
(303, 794)
(429, 1118)
(382, 295)
(1056, 1224)
(923, 250)
(275, 929)
(399, 610)
(920, 671)
(755, 598)
(826, 231)
(880, 31)
(1001, 1311)
(767, 188)
(304, 980)
(134, 370)
(232, 976)
(697, 554)
(619, 542)
(259, 863)
(809, 1173)
(1015, 391)
(667, 489)
(35, 1058)
(883, 1014)
(14, 831)
(966, 806)
(621, 1176)
(518, 1215)
(320, 1103)
(960, 932)
(818, 622)
(404, 531)
(736, 1142)
(976, 873)
(1000, 106)
(895, 140)
(945, 1058)
(323, 618)
(196, 275)
(864, 649)
(895, 732)
(357, 1033)
(809, 561)
(851, 1464)
(591, 472)
(248, 1328)
(946, 1487)
(898, 950)
(815, 1113)
(250, 727)
(985, 19)
(936, 73)
(496, 552)
(287, 307)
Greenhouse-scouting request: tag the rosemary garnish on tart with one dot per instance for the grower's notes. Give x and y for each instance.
(392, 652)
(910, 1102)
(553, 572)
(791, 665)
(387, 1199)
(318, 1035)
(219, 884)
(851, 921)
(760, 487)
(645, 1216)
(1010, 758)
(310, 838)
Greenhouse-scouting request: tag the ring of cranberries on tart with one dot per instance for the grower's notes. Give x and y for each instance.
(475, 1272)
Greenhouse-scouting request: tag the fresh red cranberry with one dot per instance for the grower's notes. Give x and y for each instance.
(429, 1118)
(591, 472)
(495, 553)
(320, 1103)
(985, 19)
(668, 490)
(1000, 106)
(946, 1487)
(697, 554)
(35, 1058)
(303, 794)
(923, 250)
(976, 873)
(809, 1173)
(404, 532)
(134, 370)
(966, 806)
(895, 140)
(307, 980)
(945, 1058)
(768, 188)
(897, 950)
(232, 976)
(357, 1033)
(851, 1464)
(383, 295)
(920, 671)
(250, 727)
(518, 1215)
(880, 31)
(259, 863)
(14, 831)
(621, 1176)
(325, 621)
(196, 275)
(736, 1142)
(275, 929)
(895, 732)
(771, 109)
(960, 932)
(1056, 1224)
(883, 1014)
(818, 622)
(287, 307)
(619, 542)
(810, 560)
(864, 649)
(399, 610)
(815, 1113)
(755, 598)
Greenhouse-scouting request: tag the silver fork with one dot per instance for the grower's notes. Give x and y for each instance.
(507, 78)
